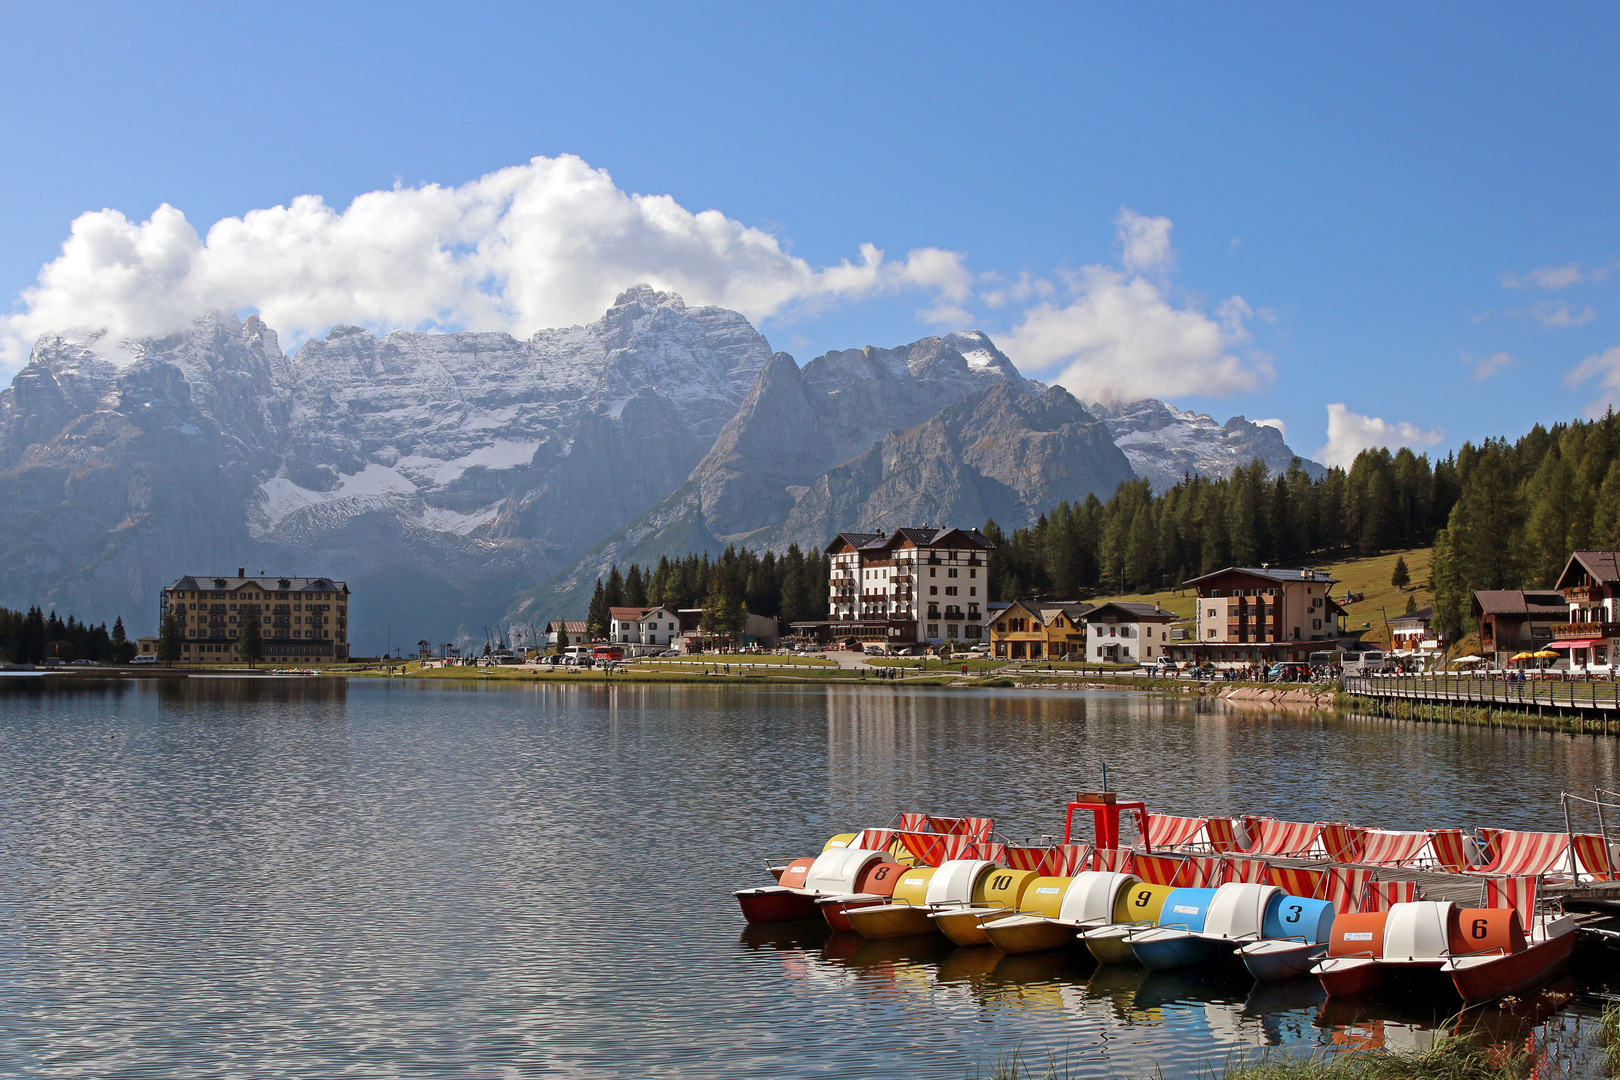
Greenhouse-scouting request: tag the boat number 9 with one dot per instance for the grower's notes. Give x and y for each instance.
(1480, 929)
(1143, 897)
(1001, 882)
(1294, 912)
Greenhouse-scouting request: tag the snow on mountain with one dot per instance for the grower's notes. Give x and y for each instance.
(1164, 443)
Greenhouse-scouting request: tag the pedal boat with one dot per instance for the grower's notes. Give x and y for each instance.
(920, 892)
(1199, 926)
(1135, 909)
(1484, 951)
(803, 881)
(998, 894)
(1055, 909)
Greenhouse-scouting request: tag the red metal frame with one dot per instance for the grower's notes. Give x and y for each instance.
(1106, 818)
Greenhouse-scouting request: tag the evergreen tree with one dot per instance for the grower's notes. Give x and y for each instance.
(251, 644)
(613, 592)
(1411, 602)
(596, 619)
(635, 589)
(1401, 577)
(169, 638)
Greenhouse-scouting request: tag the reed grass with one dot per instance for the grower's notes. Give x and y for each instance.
(1450, 1058)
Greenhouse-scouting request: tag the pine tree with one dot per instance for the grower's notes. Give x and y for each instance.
(252, 640)
(1411, 602)
(613, 591)
(169, 639)
(635, 588)
(596, 619)
(1401, 577)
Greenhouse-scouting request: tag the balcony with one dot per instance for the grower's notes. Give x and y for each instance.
(1584, 594)
(1586, 630)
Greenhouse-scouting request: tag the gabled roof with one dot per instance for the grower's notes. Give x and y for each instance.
(193, 582)
(1044, 611)
(926, 537)
(1270, 573)
(1519, 602)
(568, 626)
(1422, 614)
(1601, 566)
(1131, 610)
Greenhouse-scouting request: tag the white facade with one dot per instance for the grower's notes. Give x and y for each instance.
(1127, 634)
(914, 585)
(644, 626)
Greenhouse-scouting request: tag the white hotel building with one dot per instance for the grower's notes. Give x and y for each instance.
(908, 586)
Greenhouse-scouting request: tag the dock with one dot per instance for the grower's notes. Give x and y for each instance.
(1596, 700)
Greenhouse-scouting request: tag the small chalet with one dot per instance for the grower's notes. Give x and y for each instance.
(1512, 621)
(574, 628)
(1122, 632)
(1590, 587)
(1413, 635)
(1260, 614)
(1039, 630)
(643, 626)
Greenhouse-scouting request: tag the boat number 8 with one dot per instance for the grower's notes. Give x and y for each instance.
(1143, 897)
(1480, 929)
(880, 873)
(1294, 912)
(1001, 882)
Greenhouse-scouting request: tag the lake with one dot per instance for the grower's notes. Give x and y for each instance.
(284, 877)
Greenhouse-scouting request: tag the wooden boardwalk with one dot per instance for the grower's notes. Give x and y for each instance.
(1598, 699)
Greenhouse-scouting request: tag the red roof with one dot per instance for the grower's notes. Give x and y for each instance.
(630, 614)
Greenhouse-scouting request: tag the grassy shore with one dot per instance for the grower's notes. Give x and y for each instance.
(1450, 1058)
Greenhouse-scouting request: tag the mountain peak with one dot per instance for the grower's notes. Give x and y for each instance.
(648, 296)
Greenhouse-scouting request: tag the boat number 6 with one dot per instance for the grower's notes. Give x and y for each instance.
(1294, 912)
(1001, 882)
(1480, 929)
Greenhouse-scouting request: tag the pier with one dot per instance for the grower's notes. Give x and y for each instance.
(1596, 700)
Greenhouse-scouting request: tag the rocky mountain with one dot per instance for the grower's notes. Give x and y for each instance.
(1164, 443)
(944, 430)
(444, 474)
(435, 472)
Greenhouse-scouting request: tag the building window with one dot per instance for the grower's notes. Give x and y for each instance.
(973, 573)
(951, 572)
(933, 571)
(933, 629)
(1212, 633)
(1212, 613)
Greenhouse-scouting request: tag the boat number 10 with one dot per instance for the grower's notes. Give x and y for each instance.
(1000, 882)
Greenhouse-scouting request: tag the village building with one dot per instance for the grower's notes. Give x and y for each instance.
(906, 587)
(1124, 632)
(1512, 621)
(302, 620)
(761, 630)
(1590, 587)
(1038, 630)
(1413, 635)
(573, 628)
(1261, 615)
(643, 626)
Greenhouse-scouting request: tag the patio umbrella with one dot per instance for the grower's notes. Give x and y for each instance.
(1546, 654)
(1465, 659)
(1523, 656)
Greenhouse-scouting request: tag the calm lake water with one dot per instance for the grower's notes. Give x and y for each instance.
(312, 878)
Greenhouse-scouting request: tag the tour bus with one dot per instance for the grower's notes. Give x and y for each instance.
(1364, 663)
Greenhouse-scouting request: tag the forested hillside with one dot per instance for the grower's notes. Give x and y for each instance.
(1499, 515)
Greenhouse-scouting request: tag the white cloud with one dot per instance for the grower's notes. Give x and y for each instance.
(1606, 364)
(1274, 423)
(1489, 366)
(1350, 433)
(1144, 243)
(1546, 277)
(1118, 336)
(1556, 314)
(547, 243)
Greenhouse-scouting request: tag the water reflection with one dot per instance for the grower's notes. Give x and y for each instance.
(310, 878)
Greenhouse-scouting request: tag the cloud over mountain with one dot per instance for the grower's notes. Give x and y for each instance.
(547, 243)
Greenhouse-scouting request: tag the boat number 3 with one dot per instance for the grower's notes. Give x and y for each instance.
(1143, 897)
(1480, 929)
(1294, 912)
(1001, 882)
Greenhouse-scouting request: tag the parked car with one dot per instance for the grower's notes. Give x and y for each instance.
(670, 652)
(875, 650)
(148, 659)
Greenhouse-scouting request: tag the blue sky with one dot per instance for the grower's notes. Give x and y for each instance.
(1416, 207)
